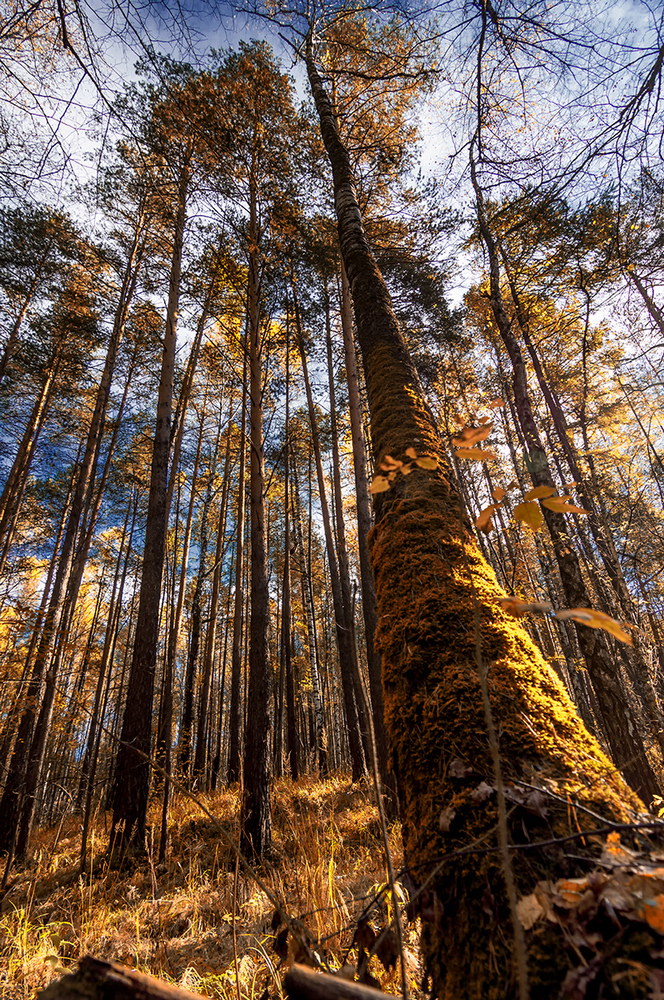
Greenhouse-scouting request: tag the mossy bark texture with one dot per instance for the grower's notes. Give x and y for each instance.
(435, 593)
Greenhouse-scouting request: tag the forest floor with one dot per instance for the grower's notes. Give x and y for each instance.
(176, 920)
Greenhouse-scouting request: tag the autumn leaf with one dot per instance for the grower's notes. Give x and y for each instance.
(477, 454)
(529, 911)
(595, 619)
(406, 469)
(539, 492)
(379, 485)
(427, 463)
(483, 521)
(561, 506)
(498, 494)
(513, 606)
(497, 403)
(471, 435)
(411, 453)
(390, 463)
(530, 513)
(653, 913)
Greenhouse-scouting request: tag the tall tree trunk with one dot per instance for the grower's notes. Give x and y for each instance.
(286, 650)
(211, 633)
(238, 603)
(345, 643)
(364, 520)
(256, 815)
(300, 556)
(621, 726)
(455, 667)
(132, 775)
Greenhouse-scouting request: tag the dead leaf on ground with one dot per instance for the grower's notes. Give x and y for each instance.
(529, 911)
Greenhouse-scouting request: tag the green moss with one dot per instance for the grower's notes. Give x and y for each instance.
(424, 555)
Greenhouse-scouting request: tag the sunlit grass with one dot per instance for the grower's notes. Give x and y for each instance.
(175, 920)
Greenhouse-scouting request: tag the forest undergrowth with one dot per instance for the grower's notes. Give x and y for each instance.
(175, 920)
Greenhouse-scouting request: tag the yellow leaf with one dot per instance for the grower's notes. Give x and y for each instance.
(539, 492)
(411, 453)
(513, 606)
(483, 521)
(595, 619)
(498, 494)
(406, 469)
(471, 435)
(390, 463)
(561, 506)
(427, 463)
(477, 454)
(485, 420)
(379, 485)
(497, 403)
(530, 513)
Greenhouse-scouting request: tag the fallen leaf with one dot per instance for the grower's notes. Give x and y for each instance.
(459, 769)
(529, 911)
(481, 793)
(445, 819)
(653, 913)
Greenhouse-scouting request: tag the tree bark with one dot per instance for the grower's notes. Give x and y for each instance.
(132, 776)
(441, 630)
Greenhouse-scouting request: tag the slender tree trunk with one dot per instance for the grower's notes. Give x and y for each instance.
(287, 660)
(238, 604)
(300, 556)
(364, 521)
(621, 727)
(346, 646)
(211, 633)
(132, 776)
(256, 815)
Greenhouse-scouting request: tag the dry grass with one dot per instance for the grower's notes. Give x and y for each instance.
(176, 920)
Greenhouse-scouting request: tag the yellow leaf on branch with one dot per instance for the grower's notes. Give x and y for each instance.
(595, 619)
(539, 492)
(530, 513)
(427, 463)
(513, 606)
(483, 521)
(471, 435)
(379, 485)
(561, 505)
(476, 454)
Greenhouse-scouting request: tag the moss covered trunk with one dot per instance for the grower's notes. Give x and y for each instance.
(439, 621)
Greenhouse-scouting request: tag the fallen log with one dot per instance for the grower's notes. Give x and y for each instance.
(303, 983)
(96, 979)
